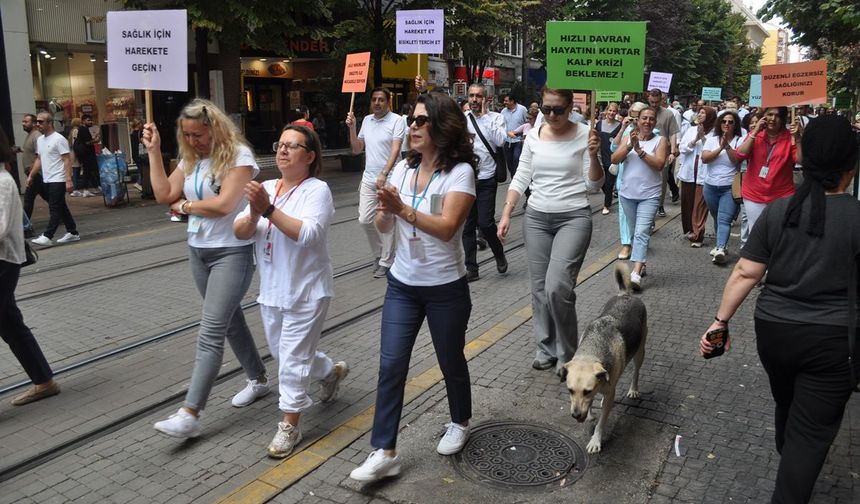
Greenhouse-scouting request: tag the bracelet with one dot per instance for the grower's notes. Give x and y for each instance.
(182, 207)
(268, 211)
(509, 203)
(642, 154)
(718, 319)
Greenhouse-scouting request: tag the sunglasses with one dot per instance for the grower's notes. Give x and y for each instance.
(289, 145)
(546, 109)
(418, 121)
(727, 122)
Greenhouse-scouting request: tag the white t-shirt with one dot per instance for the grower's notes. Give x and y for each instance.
(557, 172)
(298, 271)
(11, 231)
(215, 232)
(639, 181)
(443, 262)
(51, 149)
(378, 135)
(492, 125)
(721, 171)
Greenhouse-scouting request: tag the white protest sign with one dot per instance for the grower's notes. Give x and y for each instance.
(148, 50)
(420, 31)
(660, 80)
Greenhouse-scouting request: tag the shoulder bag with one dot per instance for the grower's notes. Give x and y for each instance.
(498, 155)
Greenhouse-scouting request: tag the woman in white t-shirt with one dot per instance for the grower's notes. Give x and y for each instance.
(559, 163)
(692, 172)
(289, 220)
(719, 154)
(214, 166)
(429, 196)
(643, 153)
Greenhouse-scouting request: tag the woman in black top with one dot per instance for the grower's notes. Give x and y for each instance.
(805, 318)
(608, 128)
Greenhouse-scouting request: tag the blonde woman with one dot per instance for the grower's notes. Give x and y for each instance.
(215, 165)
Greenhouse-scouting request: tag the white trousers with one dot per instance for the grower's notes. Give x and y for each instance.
(381, 244)
(293, 335)
(753, 211)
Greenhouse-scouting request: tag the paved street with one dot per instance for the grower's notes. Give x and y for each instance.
(127, 280)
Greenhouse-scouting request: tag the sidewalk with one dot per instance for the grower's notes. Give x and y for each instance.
(721, 409)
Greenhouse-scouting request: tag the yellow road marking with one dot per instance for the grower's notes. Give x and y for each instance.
(286, 473)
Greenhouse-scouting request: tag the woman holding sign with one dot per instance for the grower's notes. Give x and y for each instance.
(771, 153)
(289, 220)
(215, 165)
(429, 195)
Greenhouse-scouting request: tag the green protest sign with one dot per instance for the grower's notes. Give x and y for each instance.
(608, 96)
(607, 55)
(712, 93)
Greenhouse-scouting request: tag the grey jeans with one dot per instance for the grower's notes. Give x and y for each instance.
(555, 247)
(223, 276)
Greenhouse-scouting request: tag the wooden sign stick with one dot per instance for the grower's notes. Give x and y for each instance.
(351, 102)
(147, 96)
(593, 109)
(793, 140)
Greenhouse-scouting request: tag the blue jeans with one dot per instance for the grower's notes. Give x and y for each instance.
(640, 217)
(447, 308)
(722, 207)
(223, 276)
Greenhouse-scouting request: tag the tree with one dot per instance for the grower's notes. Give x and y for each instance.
(236, 22)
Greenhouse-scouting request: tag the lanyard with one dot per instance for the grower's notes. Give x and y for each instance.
(284, 200)
(770, 153)
(415, 190)
(198, 188)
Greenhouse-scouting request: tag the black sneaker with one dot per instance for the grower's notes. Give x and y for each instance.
(471, 276)
(675, 197)
(502, 264)
(482, 243)
(661, 212)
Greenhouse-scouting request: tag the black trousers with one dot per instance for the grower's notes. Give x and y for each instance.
(37, 188)
(807, 366)
(483, 215)
(56, 192)
(608, 186)
(15, 333)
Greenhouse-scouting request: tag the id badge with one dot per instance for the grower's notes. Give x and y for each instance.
(763, 172)
(194, 223)
(267, 251)
(436, 204)
(416, 248)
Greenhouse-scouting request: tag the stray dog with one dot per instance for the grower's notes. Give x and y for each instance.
(609, 343)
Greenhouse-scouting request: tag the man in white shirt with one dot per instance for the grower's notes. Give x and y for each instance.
(380, 137)
(669, 128)
(55, 165)
(483, 213)
(515, 115)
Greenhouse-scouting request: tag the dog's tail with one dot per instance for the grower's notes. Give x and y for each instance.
(622, 277)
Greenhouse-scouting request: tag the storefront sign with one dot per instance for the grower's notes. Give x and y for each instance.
(608, 55)
(609, 96)
(660, 80)
(253, 67)
(148, 50)
(355, 73)
(794, 84)
(420, 31)
(712, 93)
(755, 91)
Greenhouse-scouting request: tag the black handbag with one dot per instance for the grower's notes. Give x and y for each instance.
(498, 155)
(31, 256)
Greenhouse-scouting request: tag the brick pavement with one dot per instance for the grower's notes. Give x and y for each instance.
(721, 408)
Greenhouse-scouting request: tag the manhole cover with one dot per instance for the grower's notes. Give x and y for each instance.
(520, 456)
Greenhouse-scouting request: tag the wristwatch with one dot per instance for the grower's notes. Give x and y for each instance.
(268, 211)
(411, 217)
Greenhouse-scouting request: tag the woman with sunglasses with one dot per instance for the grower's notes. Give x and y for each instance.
(288, 219)
(692, 172)
(643, 153)
(215, 165)
(559, 163)
(719, 154)
(429, 195)
(628, 123)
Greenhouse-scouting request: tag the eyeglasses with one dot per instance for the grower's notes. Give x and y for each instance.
(39, 121)
(546, 109)
(727, 122)
(418, 121)
(289, 145)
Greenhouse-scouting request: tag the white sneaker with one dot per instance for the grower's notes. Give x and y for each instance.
(454, 439)
(138, 187)
(252, 391)
(87, 194)
(181, 424)
(175, 218)
(287, 438)
(636, 281)
(378, 465)
(69, 237)
(76, 194)
(713, 251)
(329, 389)
(719, 256)
(42, 241)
